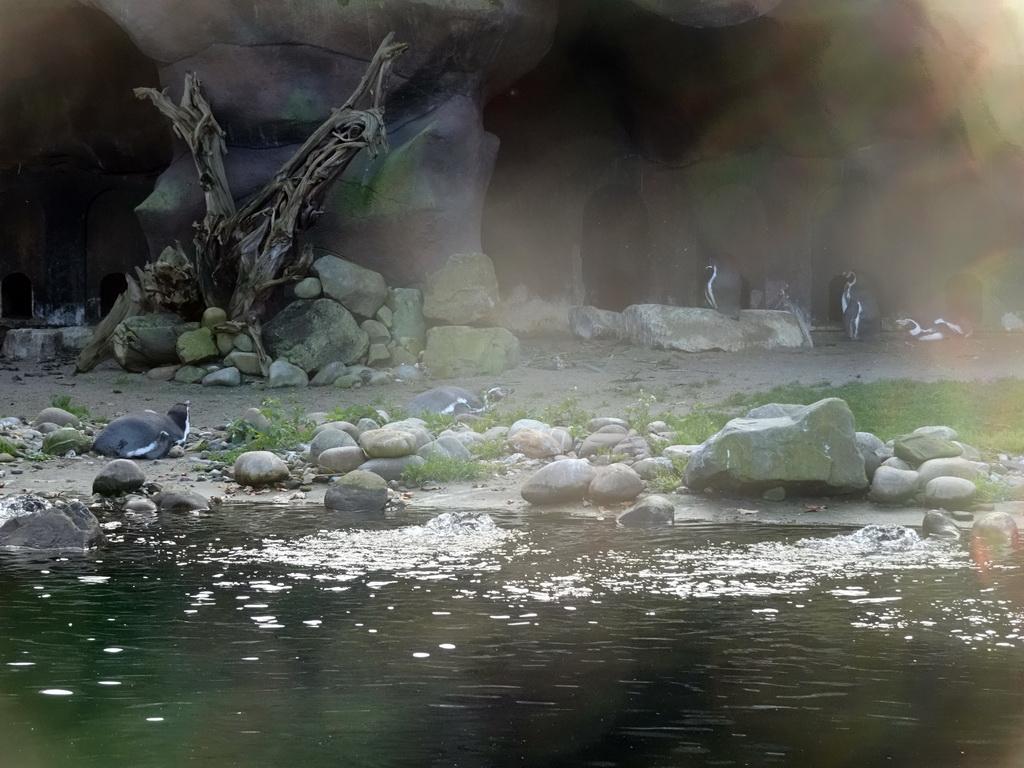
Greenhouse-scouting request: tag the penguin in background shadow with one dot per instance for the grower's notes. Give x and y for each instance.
(861, 317)
(724, 287)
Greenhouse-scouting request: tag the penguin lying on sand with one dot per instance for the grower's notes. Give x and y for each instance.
(144, 435)
(454, 400)
(937, 331)
(723, 288)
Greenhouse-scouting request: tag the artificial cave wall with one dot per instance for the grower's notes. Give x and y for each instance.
(600, 151)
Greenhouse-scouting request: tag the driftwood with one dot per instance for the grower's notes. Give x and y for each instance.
(241, 255)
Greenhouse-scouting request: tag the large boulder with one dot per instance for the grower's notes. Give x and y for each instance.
(147, 341)
(691, 329)
(70, 526)
(454, 351)
(559, 481)
(463, 292)
(810, 448)
(311, 334)
(361, 291)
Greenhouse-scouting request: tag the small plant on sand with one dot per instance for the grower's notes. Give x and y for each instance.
(6, 446)
(65, 403)
(990, 490)
(353, 413)
(668, 480)
(696, 426)
(638, 413)
(443, 469)
(568, 414)
(489, 450)
(284, 431)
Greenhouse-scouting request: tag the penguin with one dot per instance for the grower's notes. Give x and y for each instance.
(917, 332)
(146, 435)
(861, 318)
(453, 400)
(723, 288)
(954, 330)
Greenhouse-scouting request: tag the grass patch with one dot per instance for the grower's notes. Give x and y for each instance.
(66, 403)
(443, 469)
(995, 490)
(6, 446)
(668, 480)
(353, 413)
(489, 450)
(286, 430)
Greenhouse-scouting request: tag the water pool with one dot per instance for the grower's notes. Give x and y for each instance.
(263, 637)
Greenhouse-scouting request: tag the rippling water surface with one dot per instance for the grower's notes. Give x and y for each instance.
(262, 637)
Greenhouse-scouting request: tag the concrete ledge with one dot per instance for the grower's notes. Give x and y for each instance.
(44, 343)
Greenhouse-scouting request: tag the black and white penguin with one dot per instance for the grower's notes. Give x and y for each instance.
(917, 332)
(451, 400)
(144, 435)
(958, 329)
(723, 288)
(861, 318)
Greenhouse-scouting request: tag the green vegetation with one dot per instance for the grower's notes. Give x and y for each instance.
(489, 450)
(443, 469)
(6, 446)
(567, 414)
(669, 480)
(353, 413)
(285, 431)
(995, 490)
(65, 402)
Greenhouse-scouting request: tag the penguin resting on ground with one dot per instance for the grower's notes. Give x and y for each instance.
(861, 318)
(454, 400)
(723, 288)
(144, 435)
(939, 330)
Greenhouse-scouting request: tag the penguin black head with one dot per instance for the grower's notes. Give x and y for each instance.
(850, 276)
(179, 415)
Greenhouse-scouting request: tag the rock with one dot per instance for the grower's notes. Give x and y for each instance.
(358, 491)
(118, 477)
(951, 467)
(393, 469)
(225, 343)
(376, 331)
(407, 321)
(256, 417)
(814, 448)
(533, 444)
(65, 441)
(309, 288)
(284, 375)
(246, 362)
(35, 344)
(385, 316)
(387, 443)
(329, 374)
(872, 442)
(243, 343)
(560, 481)
(648, 512)
(448, 447)
(162, 373)
(378, 355)
(635, 446)
(871, 460)
(359, 290)
(225, 377)
(937, 431)
(679, 453)
(996, 530)
(778, 493)
(57, 416)
(939, 525)
(918, 447)
(330, 438)
(196, 346)
(599, 423)
(615, 483)
(311, 334)
(893, 486)
(181, 501)
(520, 424)
(190, 374)
(649, 469)
(454, 351)
(341, 459)
(600, 442)
(950, 493)
(70, 526)
(896, 463)
(259, 468)
(344, 426)
(592, 323)
(691, 329)
(463, 292)
(212, 317)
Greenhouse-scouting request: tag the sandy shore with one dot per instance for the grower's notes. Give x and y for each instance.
(604, 378)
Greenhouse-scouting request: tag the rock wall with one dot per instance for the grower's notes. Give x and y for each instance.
(600, 151)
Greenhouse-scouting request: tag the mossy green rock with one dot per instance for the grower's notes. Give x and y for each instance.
(196, 346)
(358, 491)
(61, 441)
(919, 447)
(463, 292)
(456, 350)
(806, 448)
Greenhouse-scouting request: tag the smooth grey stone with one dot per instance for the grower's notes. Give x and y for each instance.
(225, 377)
(614, 484)
(181, 501)
(950, 493)
(649, 512)
(387, 443)
(118, 477)
(393, 469)
(330, 438)
(560, 481)
(357, 491)
(285, 375)
(259, 468)
(341, 459)
(57, 416)
(891, 485)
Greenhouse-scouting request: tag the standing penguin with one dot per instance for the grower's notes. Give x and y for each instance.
(146, 435)
(861, 317)
(723, 288)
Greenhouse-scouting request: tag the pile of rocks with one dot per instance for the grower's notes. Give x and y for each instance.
(343, 321)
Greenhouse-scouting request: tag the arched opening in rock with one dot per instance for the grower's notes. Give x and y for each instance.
(964, 295)
(16, 297)
(111, 286)
(615, 248)
(835, 299)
